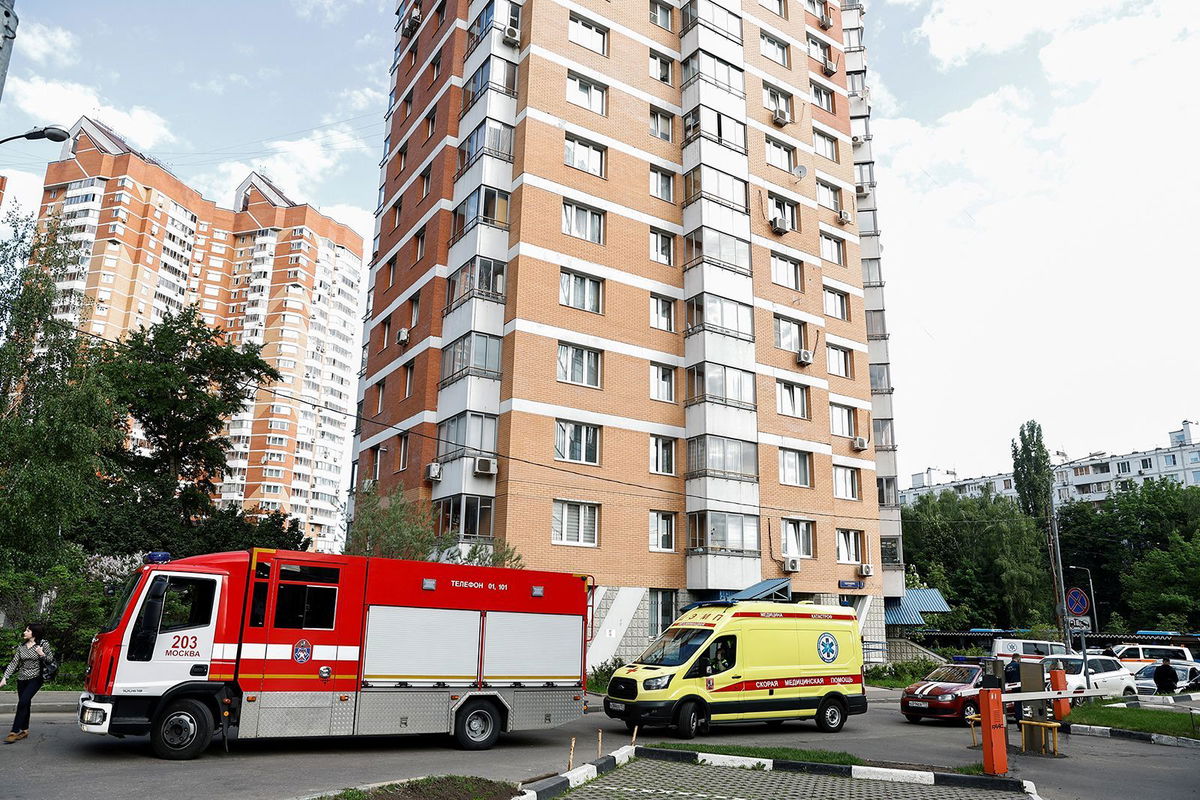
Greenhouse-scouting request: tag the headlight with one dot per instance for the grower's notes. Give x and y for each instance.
(660, 682)
(945, 698)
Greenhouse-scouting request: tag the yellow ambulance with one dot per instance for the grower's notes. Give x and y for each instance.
(755, 661)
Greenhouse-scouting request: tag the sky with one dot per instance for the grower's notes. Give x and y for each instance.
(1035, 183)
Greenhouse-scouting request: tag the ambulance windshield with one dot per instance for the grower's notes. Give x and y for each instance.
(674, 647)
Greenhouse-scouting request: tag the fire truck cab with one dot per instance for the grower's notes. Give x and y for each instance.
(268, 643)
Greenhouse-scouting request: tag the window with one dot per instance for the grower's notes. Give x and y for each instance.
(1146, 463)
(662, 605)
(484, 205)
(475, 354)
(722, 457)
(489, 137)
(414, 307)
(833, 249)
(712, 16)
(791, 399)
(883, 431)
(408, 380)
(662, 247)
(662, 313)
(837, 304)
(715, 126)
(795, 467)
(707, 67)
(580, 291)
(777, 99)
(586, 93)
(660, 67)
(493, 74)
(886, 489)
(419, 244)
(841, 420)
(583, 222)
(825, 145)
(660, 14)
(789, 334)
(845, 483)
(662, 455)
(584, 156)
(780, 155)
(717, 530)
(662, 184)
(787, 272)
(818, 49)
(380, 388)
(479, 276)
(579, 365)
(464, 516)
(877, 328)
(187, 603)
(466, 434)
(430, 122)
(815, 7)
(575, 523)
(797, 537)
(662, 382)
(838, 361)
(402, 452)
(576, 441)
(778, 6)
(301, 606)
(1169, 460)
(435, 68)
(386, 333)
(829, 195)
(713, 313)
(715, 247)
(660, 124)
(849, 544)
(586, 33)
(783, 209)
(773, 49)
(717, 383)
(822, 97)
(1122, 467)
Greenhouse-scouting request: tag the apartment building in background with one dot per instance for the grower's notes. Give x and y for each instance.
(268, 271)
(617, 315)
(1089, 479)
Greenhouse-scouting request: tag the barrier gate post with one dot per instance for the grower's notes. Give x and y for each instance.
(995, 737)
(1058, 680)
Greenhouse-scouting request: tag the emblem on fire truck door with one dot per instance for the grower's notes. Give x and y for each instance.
(302, 652)
(827, 648)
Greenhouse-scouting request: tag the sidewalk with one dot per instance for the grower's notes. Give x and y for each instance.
(43, 702)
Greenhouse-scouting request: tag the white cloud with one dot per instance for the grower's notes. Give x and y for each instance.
(1036, 246)
(52, 102)
(358, 218)
(46, 44)
(328, 10)
(218, 86)
(23, 193)
(362, 99)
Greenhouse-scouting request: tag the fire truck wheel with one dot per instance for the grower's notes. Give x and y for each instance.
(477, 726)
(831, 715)
(689, 720)
(182, 730)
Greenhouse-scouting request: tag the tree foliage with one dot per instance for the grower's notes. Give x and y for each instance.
(1033, 475)
(985, 556)
(392, 526)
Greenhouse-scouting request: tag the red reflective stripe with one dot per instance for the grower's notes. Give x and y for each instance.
(792, 683)
(791, 615)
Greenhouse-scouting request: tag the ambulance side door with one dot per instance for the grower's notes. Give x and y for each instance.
(769, 670)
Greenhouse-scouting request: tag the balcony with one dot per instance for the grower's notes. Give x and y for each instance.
(709, 568)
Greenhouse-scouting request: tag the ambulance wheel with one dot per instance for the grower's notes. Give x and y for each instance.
(477, 726)
(182, 730)
(688, 722)
(831, 716)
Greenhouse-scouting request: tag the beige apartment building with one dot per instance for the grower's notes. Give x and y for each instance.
(616, 299)
(268, 271)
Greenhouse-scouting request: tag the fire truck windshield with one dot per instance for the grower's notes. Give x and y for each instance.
(123, 596)
(674, 647)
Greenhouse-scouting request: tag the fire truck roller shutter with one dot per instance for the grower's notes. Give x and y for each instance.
(420, 646)
(532, 648)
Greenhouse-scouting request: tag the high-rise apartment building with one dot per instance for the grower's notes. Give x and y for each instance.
(617, 309)
(268, 271)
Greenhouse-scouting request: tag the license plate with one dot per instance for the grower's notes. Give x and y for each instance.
(616, 706)
(918, 704)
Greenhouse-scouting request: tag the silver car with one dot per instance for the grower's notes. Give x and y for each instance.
(1187, 673)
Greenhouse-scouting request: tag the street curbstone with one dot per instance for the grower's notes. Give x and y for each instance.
(814, 768)
(547, 787)
(604, 764)
(742, 762)
(580, 775)
(983, 782)
(623, 754)
(1137, 736)
(894, 775)
(661, 754)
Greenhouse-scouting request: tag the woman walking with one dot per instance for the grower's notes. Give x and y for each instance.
(27, 662)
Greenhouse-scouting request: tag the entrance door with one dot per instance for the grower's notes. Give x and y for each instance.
(171, 639)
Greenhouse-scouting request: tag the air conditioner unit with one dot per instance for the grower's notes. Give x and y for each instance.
(826, 21)
(844, 217)
(829, 67)
(485, 466)
(779, 225)
(402, 336)
(861, 189)
(804, 357)
(368, 484)
(433, 471)
(866, 570)
(860, 443)
(857, 139)
(781, 117)
(512, 35)
(791, 564)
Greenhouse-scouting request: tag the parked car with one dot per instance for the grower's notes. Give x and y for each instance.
(1105, 672)
(1187, 673)
(949, 692)
(1028, 649)
(1134, 656)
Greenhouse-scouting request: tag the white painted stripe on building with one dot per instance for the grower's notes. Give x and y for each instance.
(436, 271)
(791, 312)
(783, 249)
(590, 417)
(836, 181)
(615, 27)
(833, 283)
(797, 93)
(848, 461)
(603, 79)
(596, 270)
(775, 132)
(599, 138)
(847, 400)
(592, 201)
(842, 341)
(792, 443)
(575, 337)
(616, 622)
(782, 191)
(412, 352)
(834, 230)
(791, 376)
(392, 430)
(389, 201)
(440, 205)
(829, 131)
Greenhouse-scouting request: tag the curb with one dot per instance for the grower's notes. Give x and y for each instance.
(42, 708)
(560, 784)
(1121, 733)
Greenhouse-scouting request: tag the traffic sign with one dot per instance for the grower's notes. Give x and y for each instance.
(1079, 624)
(1077, 601)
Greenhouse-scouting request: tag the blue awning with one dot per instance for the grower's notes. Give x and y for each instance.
(907, 610)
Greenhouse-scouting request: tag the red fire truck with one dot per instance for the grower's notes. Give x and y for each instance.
(269, 643)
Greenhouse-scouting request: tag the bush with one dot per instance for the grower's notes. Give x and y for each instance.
(899, 674)
(602, 673)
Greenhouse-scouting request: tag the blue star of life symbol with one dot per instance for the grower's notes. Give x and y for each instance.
(827, 648)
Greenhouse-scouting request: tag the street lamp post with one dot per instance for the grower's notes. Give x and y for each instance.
(1092, 592)
(52, 132)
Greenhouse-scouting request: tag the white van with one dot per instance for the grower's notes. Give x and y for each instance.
(1134, 656)
(1028, 649)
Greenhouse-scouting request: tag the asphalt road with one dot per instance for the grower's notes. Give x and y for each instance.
(59, 761)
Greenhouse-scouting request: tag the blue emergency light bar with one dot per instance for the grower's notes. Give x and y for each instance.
(156, 557)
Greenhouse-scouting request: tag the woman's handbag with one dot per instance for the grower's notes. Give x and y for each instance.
(49, 666)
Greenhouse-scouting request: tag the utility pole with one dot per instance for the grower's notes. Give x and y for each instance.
(8, 37)
(1060, 589)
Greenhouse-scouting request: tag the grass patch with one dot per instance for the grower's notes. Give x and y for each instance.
(970, 769)
(782, 753)
(442, 787)
(899, 674)
(1171, 723)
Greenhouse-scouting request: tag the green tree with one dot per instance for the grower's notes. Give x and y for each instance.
(392, 526)
(1033, 476)
(58, 420)
(1163, 587)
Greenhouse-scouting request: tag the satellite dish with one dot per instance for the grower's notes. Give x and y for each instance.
(799, 171)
